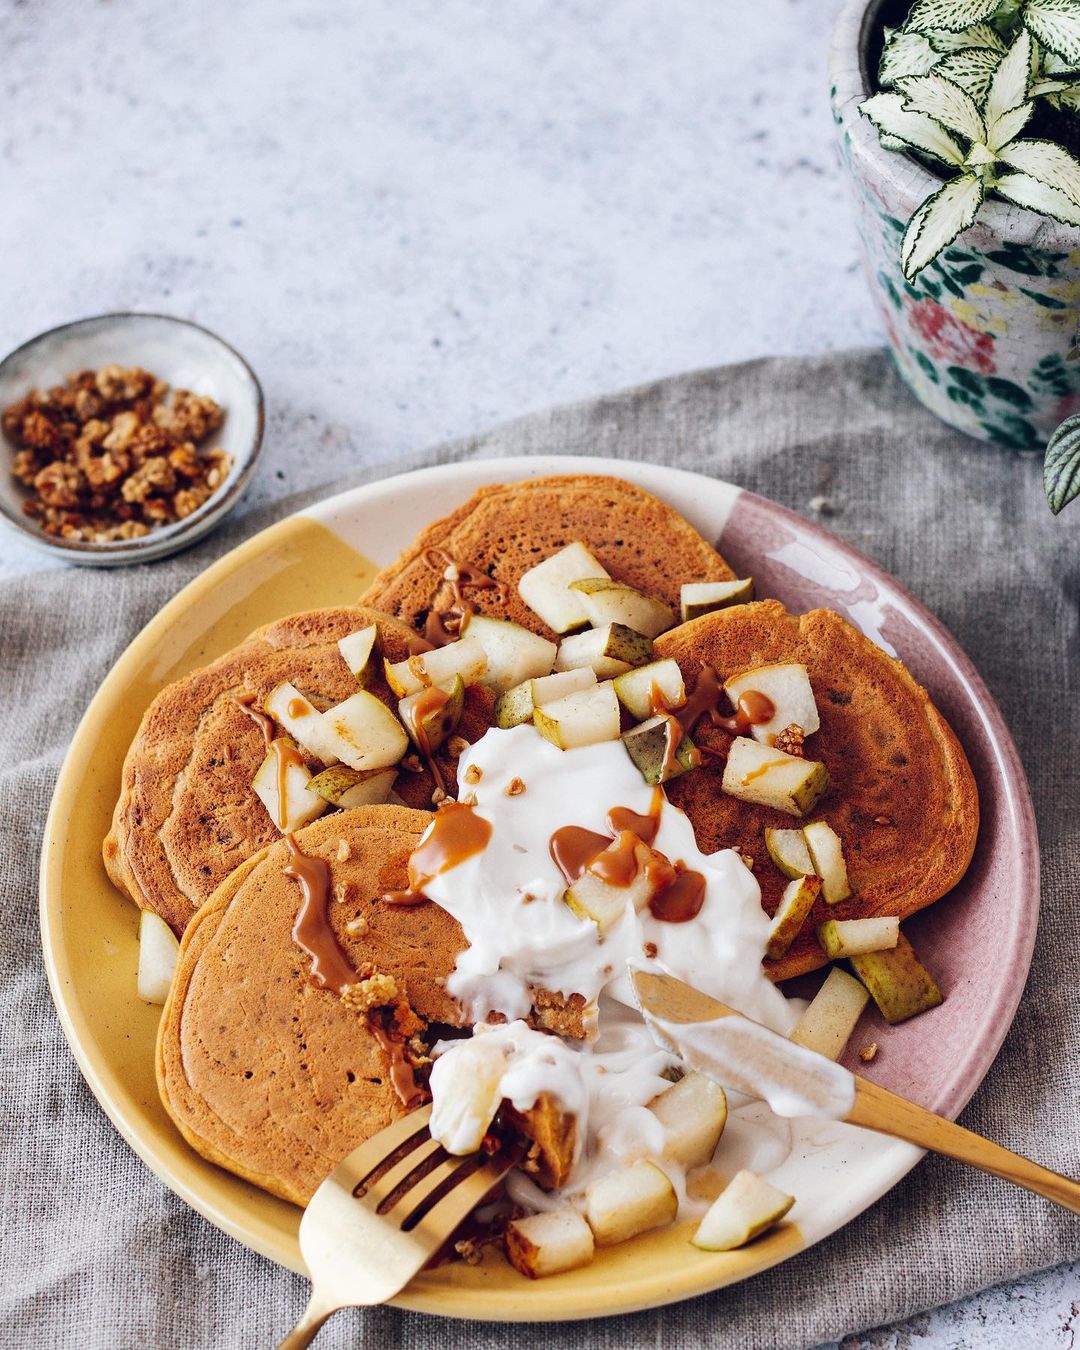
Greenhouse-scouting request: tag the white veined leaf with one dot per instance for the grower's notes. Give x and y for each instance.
(893, 143)
(939, 220)
(1041, 88)
(945, 102)
(1008, 126)
(888, 114)
(1047, 162)
(904, 54)
(1024, 190)
(979, 155)
(981, 35)
(1056, 24)
(972, 69)
(1008, 88)
(1052, 64)
(950, 15)
(1068, 98)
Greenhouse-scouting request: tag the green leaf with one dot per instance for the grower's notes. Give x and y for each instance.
(904, 54)
(939, 220)
(1008, 126)
(1061, 467)
(1016, 261)
(1068, 99)
(1023, 190)
(888, 114)
(945, 102)
(1056, 24)
(1008, 88)
(1047, 301)
(950, 15)
(1047, 162)
(1008, 392)
(982, 35)
(972, 69)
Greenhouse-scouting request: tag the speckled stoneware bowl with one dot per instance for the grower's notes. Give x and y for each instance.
(977, 941)
(186, 357)
(986, 335)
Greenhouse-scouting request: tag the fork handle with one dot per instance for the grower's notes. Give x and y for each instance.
(305, 1331)
(878, 1109)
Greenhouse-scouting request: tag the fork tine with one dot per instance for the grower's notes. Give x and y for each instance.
(437, 1223)
(378, 1191)
(416, 1195)
(362, 1161)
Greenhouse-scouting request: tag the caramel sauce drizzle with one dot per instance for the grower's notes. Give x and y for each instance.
(428, 702)
(402, 1075)
(444, 625)
(311, 932)
(264, 723)
(456, 833)
(673, 736)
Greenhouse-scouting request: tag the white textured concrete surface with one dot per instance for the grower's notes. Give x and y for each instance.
(416, 220)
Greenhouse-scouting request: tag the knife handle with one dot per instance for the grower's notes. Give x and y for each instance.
(878, 1109)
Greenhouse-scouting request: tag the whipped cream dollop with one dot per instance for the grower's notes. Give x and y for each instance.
(522, 936)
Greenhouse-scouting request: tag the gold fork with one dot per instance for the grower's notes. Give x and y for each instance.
(381, 1215)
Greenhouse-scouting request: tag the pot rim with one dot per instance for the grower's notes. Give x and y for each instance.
(904, 174)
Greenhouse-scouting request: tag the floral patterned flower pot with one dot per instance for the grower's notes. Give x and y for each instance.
(986, 336)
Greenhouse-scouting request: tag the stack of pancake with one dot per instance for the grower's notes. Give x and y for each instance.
(276, 1078)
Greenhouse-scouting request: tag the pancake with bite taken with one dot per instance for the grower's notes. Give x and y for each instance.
(504, 530)
(187, 813)
(901, 794)
(275, 1076)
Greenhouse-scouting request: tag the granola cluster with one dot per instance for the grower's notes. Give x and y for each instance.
(108, 456)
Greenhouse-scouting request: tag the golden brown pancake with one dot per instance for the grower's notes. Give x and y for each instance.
(262, 1071)
(505, 529)
(187, 813)
(902, 797)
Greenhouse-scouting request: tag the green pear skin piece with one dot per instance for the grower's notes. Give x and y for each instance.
(857, 937)
(787, 849)
(702, 597)
(795, 905)
(693, 1113)
(828, 1021)
(465, 657)
(635, 688)
(300, 719)
(549, 1242)
(363, 732)
(345, 787)
(769, 777)
(436, 725)
(645, 745)
(300, 806)
(898, 982)
(608, 601)
(514, 654)
(517, 705)
(361, 652)
(610, 651)
(632, 1200)
(742, 1212)
(786, 685)
(545, 588)
(827, 855)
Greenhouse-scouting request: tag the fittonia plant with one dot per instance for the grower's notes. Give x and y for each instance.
(960, 82)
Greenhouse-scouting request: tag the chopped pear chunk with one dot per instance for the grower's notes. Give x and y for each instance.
(301, 806)
(610, 651)
(900, 984)
(466, 1100)
(158, 954)
(642, 691)
(702, 597)
(795, 904)
(430, 715)
(513, 653)
(517, 704)
(608, 601)
(787, 849)
(465, 657)
(359, 652)
(545, 588)
(827, 855)
(647, 747)
(584, 718)
(787, 687)
(693, 1113)
(769, 777)
(855, 937)
(547, 1243)
(364, 733)
(301, 719)
(592, 896)
(630, 1201)
(345, 787)
(743, 1211)
(827, 1023)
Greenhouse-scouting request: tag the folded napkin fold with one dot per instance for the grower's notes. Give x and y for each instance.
(98, 1253)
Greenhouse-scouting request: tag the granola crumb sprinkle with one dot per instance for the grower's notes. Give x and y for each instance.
(344, 852)
(791, 741)
(342, 892)
(375, 991)
(869, 1052)
(473, 773)
(650, 949)
(515, 787)
(357, 927)
(456, 746)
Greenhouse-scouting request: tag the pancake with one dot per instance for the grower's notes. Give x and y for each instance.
(265, 1073)
(902, 797)
(505, 529)
(187, 813)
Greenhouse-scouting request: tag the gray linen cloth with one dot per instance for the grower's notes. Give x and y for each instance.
(96, 1252)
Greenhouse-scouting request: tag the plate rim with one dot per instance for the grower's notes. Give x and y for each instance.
(463, 1302)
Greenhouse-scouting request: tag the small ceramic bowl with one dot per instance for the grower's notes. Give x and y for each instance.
(182, 354)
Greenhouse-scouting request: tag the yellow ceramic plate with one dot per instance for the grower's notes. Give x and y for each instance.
(325, 556)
